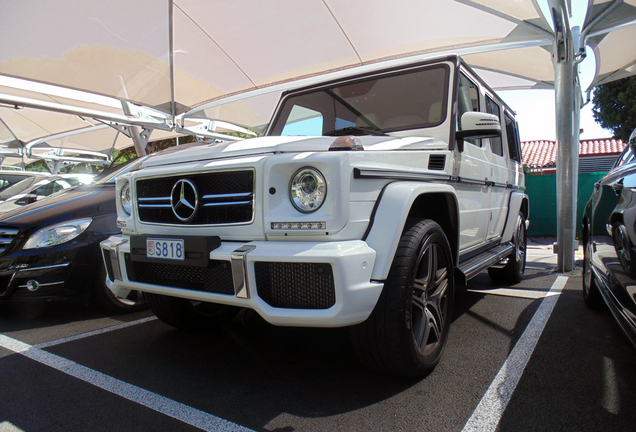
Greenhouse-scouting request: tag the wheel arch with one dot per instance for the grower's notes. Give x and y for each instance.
(401, 205)
(519, 202)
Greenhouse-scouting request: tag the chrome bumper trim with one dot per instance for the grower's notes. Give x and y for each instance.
(43, 268)
(239, 270)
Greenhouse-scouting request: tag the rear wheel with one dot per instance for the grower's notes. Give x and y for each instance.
(187, 314)
(513, 271)
(407, 331)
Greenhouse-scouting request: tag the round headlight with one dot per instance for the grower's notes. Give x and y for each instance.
(125, 199)
(308, 189)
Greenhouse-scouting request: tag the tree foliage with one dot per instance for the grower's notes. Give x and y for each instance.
(614, 107)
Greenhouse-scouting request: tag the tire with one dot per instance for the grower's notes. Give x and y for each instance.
(591, 292)
(135, 301)
(512, 273)
(624, 248)
(407, 331)
(189, 315)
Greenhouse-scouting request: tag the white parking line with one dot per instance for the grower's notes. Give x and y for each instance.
(94, 332)
(5, 426)
(163, 405)
(488, 413)
(510, 292)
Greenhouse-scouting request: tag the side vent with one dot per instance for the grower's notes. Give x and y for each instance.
(437, 162)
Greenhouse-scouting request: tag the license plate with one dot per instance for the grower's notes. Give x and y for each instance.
(165, 248)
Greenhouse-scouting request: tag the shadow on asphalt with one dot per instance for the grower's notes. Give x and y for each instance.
(249, 363)
(580, 376)
(23, 315)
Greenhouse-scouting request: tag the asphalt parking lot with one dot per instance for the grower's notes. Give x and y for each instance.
(529, 357)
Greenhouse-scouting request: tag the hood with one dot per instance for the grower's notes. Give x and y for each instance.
(70, 204)
(287, 144)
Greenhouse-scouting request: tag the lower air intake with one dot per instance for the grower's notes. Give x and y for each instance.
(295, 285)
(215, 278)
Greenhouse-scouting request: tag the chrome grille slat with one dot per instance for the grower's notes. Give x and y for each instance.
(238, 195)
(227, 203)
(155, 199)
(6, 237)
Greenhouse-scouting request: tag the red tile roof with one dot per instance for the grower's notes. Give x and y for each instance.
(542, 154)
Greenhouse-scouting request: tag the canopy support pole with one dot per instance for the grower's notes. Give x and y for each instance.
(138, 141)
(567, 100)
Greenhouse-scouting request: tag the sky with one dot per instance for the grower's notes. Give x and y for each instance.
(536, 115)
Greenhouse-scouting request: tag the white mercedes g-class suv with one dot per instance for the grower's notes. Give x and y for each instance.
(363, 205)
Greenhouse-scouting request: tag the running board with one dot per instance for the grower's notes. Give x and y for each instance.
(475, 265)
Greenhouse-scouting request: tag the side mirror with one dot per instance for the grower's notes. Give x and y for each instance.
(476, 125)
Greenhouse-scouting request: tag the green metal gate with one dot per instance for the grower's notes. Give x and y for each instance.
(541, 189)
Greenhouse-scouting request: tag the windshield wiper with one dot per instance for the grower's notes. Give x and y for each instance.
(350, 130)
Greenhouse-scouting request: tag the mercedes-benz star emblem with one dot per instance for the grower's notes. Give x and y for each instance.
(184, 199)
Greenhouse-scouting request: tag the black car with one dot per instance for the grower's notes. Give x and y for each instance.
(49, 250)
(609, 239)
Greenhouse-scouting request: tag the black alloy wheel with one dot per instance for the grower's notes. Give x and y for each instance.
(407, 331)
(513, 271)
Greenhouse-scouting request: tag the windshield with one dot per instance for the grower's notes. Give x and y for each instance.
(391, 102)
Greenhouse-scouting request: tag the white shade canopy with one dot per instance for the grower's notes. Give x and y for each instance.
(184, 55)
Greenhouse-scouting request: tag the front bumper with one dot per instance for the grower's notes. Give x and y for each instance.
(307, 284)
(48, 276)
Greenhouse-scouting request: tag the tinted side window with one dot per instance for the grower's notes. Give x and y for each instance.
(495, 143)
(514, 148)
(467, 100)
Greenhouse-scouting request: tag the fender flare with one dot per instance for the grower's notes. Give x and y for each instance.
(390, 217)
(514, 207)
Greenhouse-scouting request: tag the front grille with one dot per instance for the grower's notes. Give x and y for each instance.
(225, 197)
(6, 237)
(215, 278)
(295, 285)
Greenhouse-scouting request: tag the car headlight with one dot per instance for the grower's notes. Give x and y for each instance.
(308, 189)
(57, 234)
(125, 199)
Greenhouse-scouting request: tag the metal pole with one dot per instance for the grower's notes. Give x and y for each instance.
(566, 134)
(140, 147)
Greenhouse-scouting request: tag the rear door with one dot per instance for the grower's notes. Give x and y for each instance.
(473, 191)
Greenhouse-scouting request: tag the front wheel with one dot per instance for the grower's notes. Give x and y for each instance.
(513, 271)
(407, 331)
